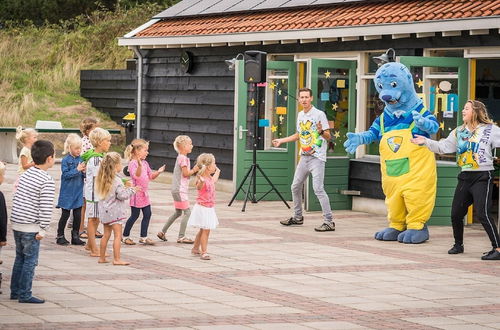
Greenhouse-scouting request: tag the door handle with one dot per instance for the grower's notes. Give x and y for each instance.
(240, 132)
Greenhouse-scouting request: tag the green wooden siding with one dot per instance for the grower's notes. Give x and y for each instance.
(446, 183)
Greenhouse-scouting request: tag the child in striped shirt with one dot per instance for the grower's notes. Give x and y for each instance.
(31, 214)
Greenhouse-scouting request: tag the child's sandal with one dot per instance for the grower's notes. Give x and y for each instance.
(195, 253)
(161, 235)
(128, 241)
(205, 256)
(185, 240)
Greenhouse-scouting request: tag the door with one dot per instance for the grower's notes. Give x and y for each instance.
(442, 84)
(333, 83)
(276, 104)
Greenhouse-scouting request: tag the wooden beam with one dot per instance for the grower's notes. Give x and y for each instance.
(250, 43)
(353, 38)
(425, 34)
(307, 41)
(451, 33)
(235, 43)
(400, 35)
(328, 39)
(374, 37)
(290, 41)
(479, 32)
(270, 42)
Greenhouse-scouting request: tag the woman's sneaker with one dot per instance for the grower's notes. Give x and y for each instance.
(326, 226)
(292, 221)
(491, 255)
(456, 249)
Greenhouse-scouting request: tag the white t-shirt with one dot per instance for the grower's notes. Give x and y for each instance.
(311, 143)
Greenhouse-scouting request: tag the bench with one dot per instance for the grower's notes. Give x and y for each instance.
(9, 143)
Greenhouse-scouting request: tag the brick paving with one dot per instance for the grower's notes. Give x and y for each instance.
(262, 276)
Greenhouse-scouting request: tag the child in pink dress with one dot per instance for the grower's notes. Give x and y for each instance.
(203, 215)
(180, 184)
(141, 174)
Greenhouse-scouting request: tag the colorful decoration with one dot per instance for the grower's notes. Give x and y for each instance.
(272, 85)
(420, 83)
(336, 134)
(274, 128)
(327, 74)
(263, 122)
(252, 102)
(281, 110)
(335, 106)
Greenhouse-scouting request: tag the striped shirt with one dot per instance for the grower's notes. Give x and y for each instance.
(33, 202)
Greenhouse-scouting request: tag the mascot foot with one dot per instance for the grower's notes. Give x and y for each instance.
(413, 236)
(387, 234)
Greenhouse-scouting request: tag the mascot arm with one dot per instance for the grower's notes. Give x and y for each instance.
(443, 146)
(426, 122)
(354, 140)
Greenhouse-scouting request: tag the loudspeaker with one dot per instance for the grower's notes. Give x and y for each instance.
(255, 66)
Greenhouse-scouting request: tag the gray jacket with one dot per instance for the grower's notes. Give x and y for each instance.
(114, 207)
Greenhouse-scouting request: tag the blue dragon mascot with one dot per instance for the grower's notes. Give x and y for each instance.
(408, 170)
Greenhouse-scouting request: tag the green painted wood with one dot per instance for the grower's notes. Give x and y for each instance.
(336, 168)
(446, 183)
(278, 165)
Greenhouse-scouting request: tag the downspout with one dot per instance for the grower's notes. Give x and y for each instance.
(139, 91)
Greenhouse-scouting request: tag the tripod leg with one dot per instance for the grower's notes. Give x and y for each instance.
(252, 177)
(240, 186)
(272, 185)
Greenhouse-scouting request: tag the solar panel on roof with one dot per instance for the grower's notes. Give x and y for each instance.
(204, 7)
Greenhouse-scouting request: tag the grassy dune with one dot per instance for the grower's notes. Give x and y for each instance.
(40, 66)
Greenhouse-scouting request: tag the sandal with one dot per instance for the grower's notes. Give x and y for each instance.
(128, 241)
(185, 240)
(195, 253)
(84, 234)
(98, 234)
(161, 235)
(205, 256)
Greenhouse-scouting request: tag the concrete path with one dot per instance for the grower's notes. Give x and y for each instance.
(262, 276)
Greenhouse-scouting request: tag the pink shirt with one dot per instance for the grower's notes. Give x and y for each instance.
(206, 195)
(141, 198)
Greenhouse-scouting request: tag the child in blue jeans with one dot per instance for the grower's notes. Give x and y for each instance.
(31, 214)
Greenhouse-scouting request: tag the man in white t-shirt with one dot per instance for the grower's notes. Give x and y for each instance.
(313, 134)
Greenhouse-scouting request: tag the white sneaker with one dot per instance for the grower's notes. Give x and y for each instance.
(146, 241)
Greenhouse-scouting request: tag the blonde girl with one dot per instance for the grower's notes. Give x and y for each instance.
(473, 142)
(86, 126)
(26, 137)
(180, 184)
(203, 215)
(71, 191)
(101, 140)
(141, 174)
(3, 215)
(112, 204)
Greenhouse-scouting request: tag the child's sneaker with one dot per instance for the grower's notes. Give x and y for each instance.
(62, 241)
(146, 241)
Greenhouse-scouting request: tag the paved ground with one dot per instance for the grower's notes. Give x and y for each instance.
(262, 276)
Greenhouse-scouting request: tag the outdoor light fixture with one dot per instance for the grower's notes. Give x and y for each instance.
(232, 62)
(389, 56)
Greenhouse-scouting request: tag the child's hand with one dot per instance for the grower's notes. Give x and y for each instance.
(127, 183)
(161, 169)
(3, 243)
(217, 170)
(38, 237)
(80, 167)
(137, 188)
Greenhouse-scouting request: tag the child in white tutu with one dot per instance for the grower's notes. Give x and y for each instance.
(203, 215)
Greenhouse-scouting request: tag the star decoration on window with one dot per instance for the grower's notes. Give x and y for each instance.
(279, 91)
(336, 134)
(274, 128)
(420, 83)
(272, 85)
(327, 74)
(441, 125)
(335, 106)
(281, 118)
(252, 102)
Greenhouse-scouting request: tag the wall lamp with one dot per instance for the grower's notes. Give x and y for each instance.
(388, 56)
(232, 62)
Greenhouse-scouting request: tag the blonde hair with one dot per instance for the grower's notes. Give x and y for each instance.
(2, 168)
(23, 134)
(106, 174)
(479, 113)
(98, 135)
(180, 140)
(87, 125)
(132, 148)
(203, 161)
(71, 141)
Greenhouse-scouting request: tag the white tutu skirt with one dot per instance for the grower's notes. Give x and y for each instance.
(203, 217)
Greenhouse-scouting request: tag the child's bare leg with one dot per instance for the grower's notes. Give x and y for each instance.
(196, 245)
(104, 243)
(204, 240)
(82, 223)
(92, 226)
(117, 238)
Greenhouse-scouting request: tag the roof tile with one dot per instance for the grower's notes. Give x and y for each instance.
(329, 16)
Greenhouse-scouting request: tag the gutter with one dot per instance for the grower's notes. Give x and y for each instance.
(138, 114)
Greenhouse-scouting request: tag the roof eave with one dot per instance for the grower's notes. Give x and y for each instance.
(476, 23)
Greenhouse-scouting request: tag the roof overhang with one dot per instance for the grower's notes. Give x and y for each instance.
(423, 29)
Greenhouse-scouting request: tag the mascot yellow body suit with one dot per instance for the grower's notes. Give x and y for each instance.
(408, 170)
